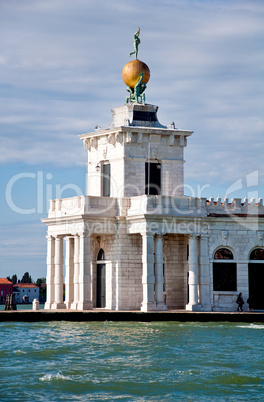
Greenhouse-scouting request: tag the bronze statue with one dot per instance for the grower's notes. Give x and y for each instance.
(136, 43)
(135, 75)
(137, 91)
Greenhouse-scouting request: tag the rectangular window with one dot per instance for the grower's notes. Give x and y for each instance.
(152, 178)
(106, 180)
(224, 276)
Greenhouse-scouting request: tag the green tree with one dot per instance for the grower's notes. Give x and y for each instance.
(14, 279)
(40, 281)
(26, 278)
(8, 278)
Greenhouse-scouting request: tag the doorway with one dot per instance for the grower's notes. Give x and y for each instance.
(255, 284)
(101, 287)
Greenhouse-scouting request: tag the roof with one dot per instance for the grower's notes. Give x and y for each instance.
(4, 281)
(25, 285)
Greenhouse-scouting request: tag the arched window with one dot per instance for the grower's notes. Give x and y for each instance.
(257, 254)
(223, 254)
(224, 271)
(101, 255)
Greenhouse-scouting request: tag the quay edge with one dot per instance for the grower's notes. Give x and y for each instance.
(133, 316)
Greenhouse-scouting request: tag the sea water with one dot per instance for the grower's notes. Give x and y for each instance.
(123, 361)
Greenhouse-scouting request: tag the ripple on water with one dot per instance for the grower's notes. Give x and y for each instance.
(131, 361)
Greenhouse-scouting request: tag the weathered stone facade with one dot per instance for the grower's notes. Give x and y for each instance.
(135, 241)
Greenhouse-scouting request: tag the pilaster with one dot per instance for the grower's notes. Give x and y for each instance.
(204, 274)
(148, 278)
(69, 265)
(58, 278)
(85, 274)
(50, 272)
(193, 275)
(159, 277)
(74, 304)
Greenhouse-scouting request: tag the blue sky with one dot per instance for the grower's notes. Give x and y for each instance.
(60, 75)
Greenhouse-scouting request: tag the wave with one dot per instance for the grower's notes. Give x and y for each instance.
(251, 326)
(55, 376)
(19, 352)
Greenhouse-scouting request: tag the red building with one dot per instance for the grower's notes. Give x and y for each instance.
(6, 287)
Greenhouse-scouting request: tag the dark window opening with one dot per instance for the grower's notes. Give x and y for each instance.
(257, 254)
(152, 178)
(223, 254)
(224, 276)
(106, 180)
(101, 255)
(144, 116)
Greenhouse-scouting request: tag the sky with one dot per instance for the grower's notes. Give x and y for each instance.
(60, 74)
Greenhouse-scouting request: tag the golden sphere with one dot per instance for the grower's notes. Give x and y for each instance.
(132, 70)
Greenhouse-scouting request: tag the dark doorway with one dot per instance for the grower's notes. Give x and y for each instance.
(255, 284)
(100, 291)
(152, 178)
(100, 302)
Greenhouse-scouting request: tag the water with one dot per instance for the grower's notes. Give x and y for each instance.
(93, 361)
(23, 306)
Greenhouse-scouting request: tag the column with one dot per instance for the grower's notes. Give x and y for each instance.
(159, 273)
(148, 278)
(58, 278)
(193, 275)
(74, 304)
(69, 271)
(204, 274)
(85, 274)
(50, 272)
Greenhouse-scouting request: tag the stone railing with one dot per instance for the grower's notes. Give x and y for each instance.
(165, 205)
(81, 205)
(153, 205)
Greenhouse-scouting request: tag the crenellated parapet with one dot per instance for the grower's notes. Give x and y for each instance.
(235, 206)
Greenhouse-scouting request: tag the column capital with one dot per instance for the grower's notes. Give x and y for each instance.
(159, 234)
(83, 234)
(68, 237)
(192, 235)
(147, 234)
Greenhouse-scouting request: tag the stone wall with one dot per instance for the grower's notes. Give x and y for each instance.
(176, 269)
(234, 235)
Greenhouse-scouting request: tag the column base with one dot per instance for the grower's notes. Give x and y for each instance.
(47, 306)
(85, 306)
(193, 307)
(206, 307)
(161, 307)
(68, 305)
(58, 306)
(151, 306)
(74, 306)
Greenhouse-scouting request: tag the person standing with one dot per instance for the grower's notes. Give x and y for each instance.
(250, 302)
(240, 302)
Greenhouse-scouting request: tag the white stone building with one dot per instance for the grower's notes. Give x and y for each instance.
(135, 242)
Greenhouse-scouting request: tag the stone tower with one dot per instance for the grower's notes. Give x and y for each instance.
(135, 155)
